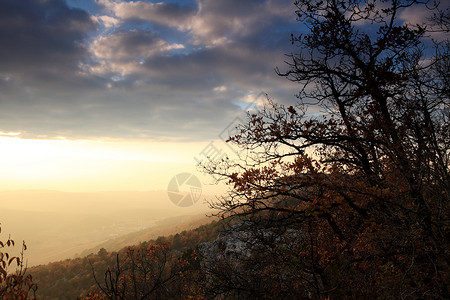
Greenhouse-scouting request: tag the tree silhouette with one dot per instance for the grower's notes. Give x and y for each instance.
(360, 165)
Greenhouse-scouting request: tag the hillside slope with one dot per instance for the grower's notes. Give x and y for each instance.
(73, 278)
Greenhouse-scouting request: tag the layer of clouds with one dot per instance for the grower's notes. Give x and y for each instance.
(41, 37)
(118, 69)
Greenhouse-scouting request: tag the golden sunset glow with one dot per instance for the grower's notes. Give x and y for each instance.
(84, 165)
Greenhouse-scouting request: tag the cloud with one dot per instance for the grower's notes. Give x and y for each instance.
(422, 15)
(137, 69)
(221, 88)
(124, 51)
(165, 14)
(210, 22)
(217, 22)
(41, 36)
(108, 21)
(237, 39)
(414, 15)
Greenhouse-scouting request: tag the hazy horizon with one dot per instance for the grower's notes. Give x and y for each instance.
(58, 225)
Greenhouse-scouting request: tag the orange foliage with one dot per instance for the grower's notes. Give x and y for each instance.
(16, 285)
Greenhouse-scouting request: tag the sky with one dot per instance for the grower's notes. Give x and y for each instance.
(106, 95)
(123, 95)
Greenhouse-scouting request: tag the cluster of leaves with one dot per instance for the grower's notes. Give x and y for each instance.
(15, 285)
(367, 180)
